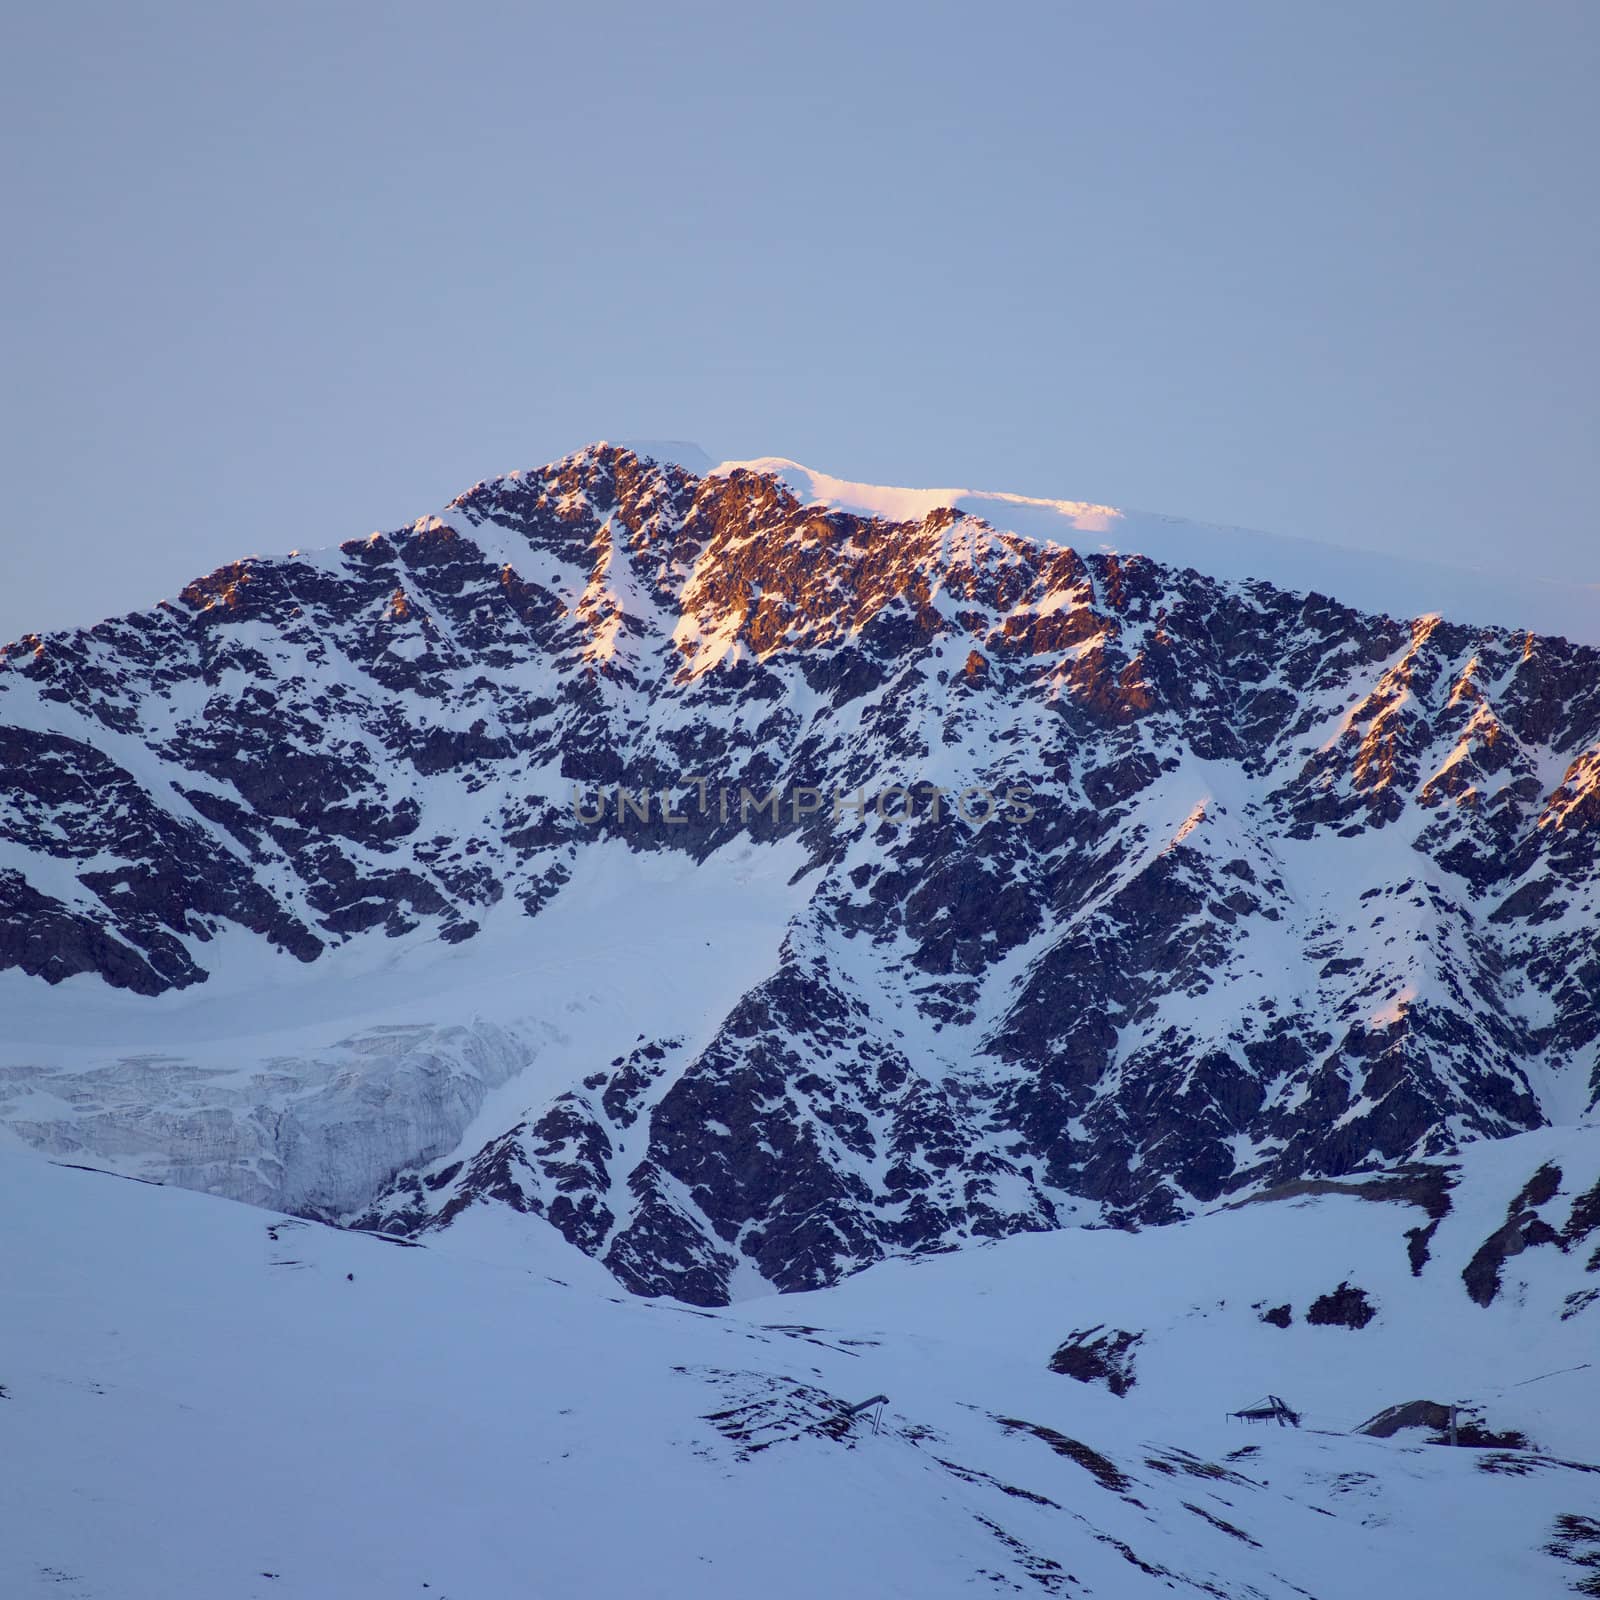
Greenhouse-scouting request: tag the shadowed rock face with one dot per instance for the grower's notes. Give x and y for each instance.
(1292, 891)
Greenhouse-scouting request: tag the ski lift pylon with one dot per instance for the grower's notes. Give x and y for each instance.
(1270, 1409)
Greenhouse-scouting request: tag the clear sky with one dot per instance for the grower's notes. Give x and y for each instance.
(278, 274)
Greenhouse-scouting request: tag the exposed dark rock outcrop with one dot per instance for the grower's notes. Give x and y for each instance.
(1470, 1430)
(1099, 1355)
(1344, 1307)
(1523, 1227)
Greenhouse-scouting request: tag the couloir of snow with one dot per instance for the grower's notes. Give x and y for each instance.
(203, 1400)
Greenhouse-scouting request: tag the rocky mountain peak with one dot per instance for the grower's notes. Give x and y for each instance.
(1100, 885)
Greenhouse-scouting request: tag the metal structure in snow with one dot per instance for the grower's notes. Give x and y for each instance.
(878, 1400)
(1271, 1409)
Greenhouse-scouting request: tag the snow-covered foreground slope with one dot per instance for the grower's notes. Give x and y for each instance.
(1221, 1309)
(203, 1400)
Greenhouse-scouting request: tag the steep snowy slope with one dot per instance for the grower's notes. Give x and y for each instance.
(549, 855)
(200, 1399)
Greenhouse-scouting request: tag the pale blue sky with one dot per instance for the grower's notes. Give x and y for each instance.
(276, 275)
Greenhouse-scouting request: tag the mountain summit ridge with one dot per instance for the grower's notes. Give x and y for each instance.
(1359, 576)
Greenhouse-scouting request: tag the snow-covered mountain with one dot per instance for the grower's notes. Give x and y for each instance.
(441, 873)
(198, 1399)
